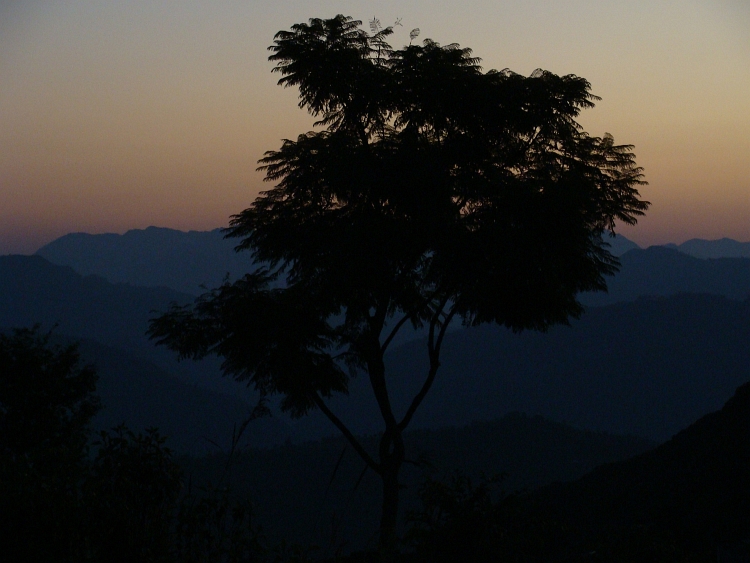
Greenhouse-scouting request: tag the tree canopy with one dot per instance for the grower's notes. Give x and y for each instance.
(47, 401)
(430, 190)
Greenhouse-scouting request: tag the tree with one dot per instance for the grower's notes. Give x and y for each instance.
(47, 401)
(131, 495)
(431, 191)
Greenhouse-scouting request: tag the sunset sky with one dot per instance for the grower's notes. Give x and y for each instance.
(120, 114)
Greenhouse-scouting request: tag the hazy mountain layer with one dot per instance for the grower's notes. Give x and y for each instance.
(721, 248)
(166, 257)
(648, 367)
(183, 261)
(659, 270)
(139, 394)
(32, 290)
(195, 420)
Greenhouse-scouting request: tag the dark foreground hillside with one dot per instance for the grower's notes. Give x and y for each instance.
(318, 494)
(686, 501)
(690, 495)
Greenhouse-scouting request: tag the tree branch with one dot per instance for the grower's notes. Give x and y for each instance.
(376, 371)
(346, 432)
(434, 350)
(406, 317)
(392, 334)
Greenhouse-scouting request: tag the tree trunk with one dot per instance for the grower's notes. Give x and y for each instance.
(391, 459)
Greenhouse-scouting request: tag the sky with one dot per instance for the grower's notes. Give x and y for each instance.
(119, 115)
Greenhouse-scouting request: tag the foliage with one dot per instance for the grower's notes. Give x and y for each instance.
(138, 509)
(461, 521)
(127, 503)
(46, 403)
(212, 527)
(131, 493)
(434, 190)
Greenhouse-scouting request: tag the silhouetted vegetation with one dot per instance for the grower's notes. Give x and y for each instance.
(435, 191)
(125, 503)
(460, 521)
(46, 404)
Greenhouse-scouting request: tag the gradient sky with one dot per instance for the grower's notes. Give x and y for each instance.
(119, 114)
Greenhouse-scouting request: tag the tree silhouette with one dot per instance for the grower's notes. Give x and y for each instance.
(431, 191)
(47, 401)
(131, 495)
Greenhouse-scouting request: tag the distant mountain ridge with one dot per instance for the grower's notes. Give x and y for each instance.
(191, 261)
(721, 248)
(152, 257)
(183, 261)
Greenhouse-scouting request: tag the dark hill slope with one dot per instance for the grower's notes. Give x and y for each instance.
(152, 257)
(692, 493)
(140, 395)
(310, 492)
(32, 290)
(664, 271)
(195, 420)
(646, 368)
(141, 384)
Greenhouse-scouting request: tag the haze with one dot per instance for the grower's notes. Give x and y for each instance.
(120, 115)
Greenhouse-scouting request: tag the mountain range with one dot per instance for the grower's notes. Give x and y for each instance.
(663, 271)
(721, 248)
(187, 262)
(641, 366)
(648, 368)
(140, 384)
(190, 262)
(665, 346)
